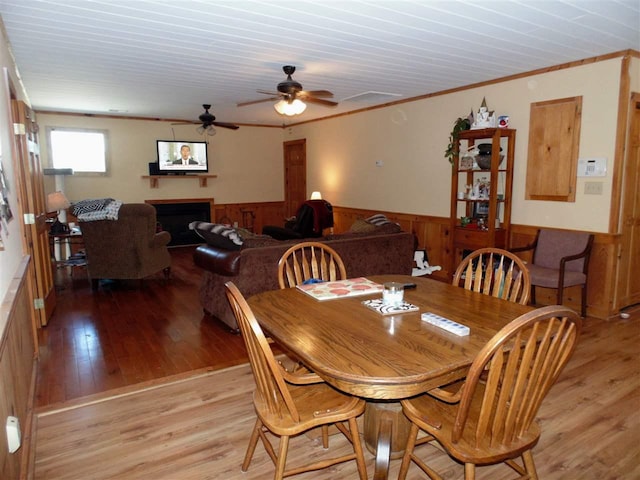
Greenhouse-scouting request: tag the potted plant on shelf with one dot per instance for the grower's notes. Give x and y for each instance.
(459, 125)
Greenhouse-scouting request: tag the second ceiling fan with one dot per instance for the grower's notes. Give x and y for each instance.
(292, 95)
(207, 121)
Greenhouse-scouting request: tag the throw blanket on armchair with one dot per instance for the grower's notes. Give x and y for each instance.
(322, 215)
(97, 209)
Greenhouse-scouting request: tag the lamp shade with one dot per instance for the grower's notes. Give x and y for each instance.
(57, 201)
(315, 196)
(284, 107)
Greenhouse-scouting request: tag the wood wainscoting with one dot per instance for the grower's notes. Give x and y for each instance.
(17, 370)
(432, 235)
(252, 216)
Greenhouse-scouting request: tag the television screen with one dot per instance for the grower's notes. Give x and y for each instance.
(182, 157)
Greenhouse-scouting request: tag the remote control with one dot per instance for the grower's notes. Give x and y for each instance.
(446, 324)
(408, 286)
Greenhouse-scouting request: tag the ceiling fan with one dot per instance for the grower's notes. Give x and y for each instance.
(207, 121)
(292, 95)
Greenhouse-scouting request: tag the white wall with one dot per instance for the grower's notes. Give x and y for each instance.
(11, 232)
(410, 140)
(248, 162)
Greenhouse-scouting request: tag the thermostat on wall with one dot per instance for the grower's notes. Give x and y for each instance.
(592, 167)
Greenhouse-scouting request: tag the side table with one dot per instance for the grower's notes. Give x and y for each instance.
(66, 249)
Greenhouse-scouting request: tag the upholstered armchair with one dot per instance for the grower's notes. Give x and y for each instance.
(126, 248)
(560, 260)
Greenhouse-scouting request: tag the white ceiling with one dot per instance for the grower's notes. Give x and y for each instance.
(164, 59)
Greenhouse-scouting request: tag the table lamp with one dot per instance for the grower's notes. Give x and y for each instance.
(315, 196)
(58, 202)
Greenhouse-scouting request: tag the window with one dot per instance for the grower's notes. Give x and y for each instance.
(83, 150)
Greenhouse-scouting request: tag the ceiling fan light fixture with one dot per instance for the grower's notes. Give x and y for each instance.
(209, 130)
(284, 107)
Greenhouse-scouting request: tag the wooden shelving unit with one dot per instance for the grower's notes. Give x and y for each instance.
(497, 205)
(154, 179)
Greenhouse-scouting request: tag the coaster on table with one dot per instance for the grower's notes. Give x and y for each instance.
(378, 305)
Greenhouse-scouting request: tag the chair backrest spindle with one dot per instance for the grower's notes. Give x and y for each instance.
(270, 384)
(309, 260)
(523, 361)
(495, 272)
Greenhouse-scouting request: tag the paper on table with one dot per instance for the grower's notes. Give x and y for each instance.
(341, 289)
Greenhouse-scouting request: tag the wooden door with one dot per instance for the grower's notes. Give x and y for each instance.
(628, 282)
(31, 194)
(295, 175)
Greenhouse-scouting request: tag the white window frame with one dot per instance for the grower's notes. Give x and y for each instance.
(77, 170)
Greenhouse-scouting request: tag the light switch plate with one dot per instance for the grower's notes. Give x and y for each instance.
(592, 167)
(593, 188)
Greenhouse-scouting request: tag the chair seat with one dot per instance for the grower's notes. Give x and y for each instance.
(426, 412)
(336, 407)
(548, 277)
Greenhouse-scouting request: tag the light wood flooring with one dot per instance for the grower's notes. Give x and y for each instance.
(196, 426)
(141, 398)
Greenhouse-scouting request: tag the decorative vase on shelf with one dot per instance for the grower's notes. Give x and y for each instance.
(483, 156)
(484, 161)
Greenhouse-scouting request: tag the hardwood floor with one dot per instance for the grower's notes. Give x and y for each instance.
(126, 333)
(123, 340)
(197, 426)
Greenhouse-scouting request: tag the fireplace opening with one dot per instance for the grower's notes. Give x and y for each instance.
(176, 217)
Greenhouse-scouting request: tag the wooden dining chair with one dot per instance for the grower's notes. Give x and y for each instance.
(495, 272)
(493, 421)
(309, 260)
(288, 405)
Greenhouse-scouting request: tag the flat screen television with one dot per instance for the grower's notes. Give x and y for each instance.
(179, 158)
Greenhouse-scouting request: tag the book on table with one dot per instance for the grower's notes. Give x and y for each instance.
(341, 288)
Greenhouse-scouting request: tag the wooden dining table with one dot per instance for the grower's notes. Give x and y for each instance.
(384, 358)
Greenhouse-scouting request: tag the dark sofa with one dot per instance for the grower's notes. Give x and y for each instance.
(255, 269)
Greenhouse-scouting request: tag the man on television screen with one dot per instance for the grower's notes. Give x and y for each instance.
(185, 154)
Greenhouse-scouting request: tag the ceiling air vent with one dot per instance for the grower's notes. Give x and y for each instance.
(372, 97)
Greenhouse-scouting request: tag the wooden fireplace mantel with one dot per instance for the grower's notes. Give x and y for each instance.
(153, 179)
